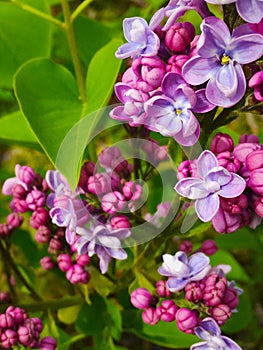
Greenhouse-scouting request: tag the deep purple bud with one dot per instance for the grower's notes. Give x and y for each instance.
(64, 262)
(230, 298)
(228, 161)
(43, 234)
(109, 156)
(179, 36)
(132, 191)
(120, 221)
(4, 230)
(254, 160)
(141, 298)
(150, 316)
(215, 287)
(99, 184)
(47, 263)
(187, 168)
(256, 82)
(149, 72)
(38, 325)
(19, 192)
(234, 205)
(175, 63)
(221, 313)
(9, 338)
(221, 143)
(113, 202)
(186, 246)
(209, 247)
(167, 310)
(25, 174)
(35, 199)
(225, 222)
(77, 274)
(19, 205)
(19, 315)
(14, 221)
(48, 343)
(258, 207)
(25, 335)
(83, 259)
(248, 138)
(242, 150)
(39, 218)
(5, 298)
(194, 291)
(55, 245)
(87, 170)
(6, 321)
(187, 320)
(162, 289)
(256, 181)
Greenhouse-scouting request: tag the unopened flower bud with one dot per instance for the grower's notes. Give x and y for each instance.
(179, 36)
(167, 310)
(256, 82)
(113, 202)
(225, 222)
(77, 274)
(256, 181)
(141, 298)
(221, 143)
(19, 192)
(228, 161)
(258, 207)
(221, 313)
(162, 289)
(6, 321)
(48, 343)
(14, 220)
(39, 217)
(175, 63)
(254, 160)
(194, 291)
(64, 262)
(47, 263)
(209, 247)
(248, 138)
(43, 234)
(187, 320)
(120, 221)
(9, 338)
(25, 174)
(186, 246)
(150, 316)
(230, 298)
(242, 150)
(35, 199)
(187, 168)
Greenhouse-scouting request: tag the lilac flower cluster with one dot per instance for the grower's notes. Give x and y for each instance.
(176, 74)
(193, 293)
(17, 328)
(226, 183)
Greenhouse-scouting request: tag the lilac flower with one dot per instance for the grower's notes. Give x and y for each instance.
(219, 61)
(171, 113)
(142, 41)
(182, 270)
(209, 331)
(212, 181)
(250, 10)
(177, 8)
(103, 241)
(24, 177)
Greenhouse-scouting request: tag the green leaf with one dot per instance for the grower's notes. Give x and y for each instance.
(113, 319)
(244, 238)
(101, 76)
(237, 272)
(14, 128)
(141, 281)
(22, 36)
(68, 315)
(101, 283)
(48, 96)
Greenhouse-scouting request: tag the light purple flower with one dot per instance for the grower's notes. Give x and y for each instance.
(182, 270)
(177, 8)
(219, 61)
(212, 181)
(209, 331)
(103, 241)
(171, 113)
(142, 41)
(24, 176)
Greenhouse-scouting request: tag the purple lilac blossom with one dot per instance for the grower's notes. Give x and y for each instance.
(103, 241)
(181, 270)
(177, 8)
(171, 113)
(209, 331)
(220, 59)
(24, 176)
(212, 181)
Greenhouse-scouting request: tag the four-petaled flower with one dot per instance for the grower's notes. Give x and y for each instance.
(219, 61)
(182, 270)
(212, 181)
(209, 331)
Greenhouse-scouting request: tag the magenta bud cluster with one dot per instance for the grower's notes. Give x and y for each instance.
(17, 328)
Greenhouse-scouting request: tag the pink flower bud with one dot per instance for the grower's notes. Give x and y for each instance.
(221, 313)
(187, 320)
(64, 262)
(98, 184)
(215, 287)
(19, 192)
(230, 298)
(149, 72)
(83, 259)
(6, 321)
(254, 160)
(5, 298)
(256, 181)
(248, 138)
(35, 199)
(179, 36)
(120, 221)
(43, 234)
(186, 246)
(187, 168)
(162, 289)
(234, 205)
(47, 263)
(256, 82)
(225, 222)
(14, 220)
(150, 316)
(132, 191)
(242, 150)
(175, 63)
(258, 207)
(226, 160)
(141, 298)
(19, 315)
(4, 230)
(113, 202)
(48, 343)
(257, 27)
(9, 338)
(167, 310)
(25, 174)
(39, 218)
(209, 247)
(77, 274)
(221, 143)
(19, 205)
(194, 291)
(25, 336)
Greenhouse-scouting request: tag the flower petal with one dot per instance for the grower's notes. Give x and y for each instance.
(9, 184)
(200, 346)
(198, 262)
(206, 208)
(189, 140)
(230, 344)
(175, 284)
(119, 253)
(198, 69)
(104, 259)
(128, 50)
(246, 48)
(191, 188)
(210, 325)
(234, 187)
(170, 83)
(220, 175)
(202, 104)
(206, 162)
(250, 10)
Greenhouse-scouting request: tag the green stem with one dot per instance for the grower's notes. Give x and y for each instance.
(39, 13)
(73, 50)
(9, 260)
(79, 9)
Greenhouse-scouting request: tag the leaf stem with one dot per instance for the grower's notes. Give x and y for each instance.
(73, 50)
(38, 13)
(79, 9)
